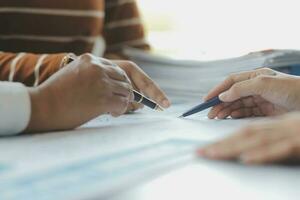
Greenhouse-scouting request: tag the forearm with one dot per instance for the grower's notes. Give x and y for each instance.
(29, 69)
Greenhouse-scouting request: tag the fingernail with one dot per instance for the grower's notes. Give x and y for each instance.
(166, 103)
(211, 153)
(223, 96)
(200, 152)
(210, 116)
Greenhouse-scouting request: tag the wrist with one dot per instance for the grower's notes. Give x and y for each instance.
(40, 111)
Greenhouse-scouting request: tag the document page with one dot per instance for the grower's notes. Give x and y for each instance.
(104, 155)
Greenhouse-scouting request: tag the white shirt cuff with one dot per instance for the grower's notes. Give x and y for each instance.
(15, 108)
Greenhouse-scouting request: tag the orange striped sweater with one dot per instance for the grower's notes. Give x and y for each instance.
(49, 29)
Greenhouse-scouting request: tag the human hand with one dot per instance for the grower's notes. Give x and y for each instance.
(260, 143)
(143, 83)
(81, 91)
(261, 92)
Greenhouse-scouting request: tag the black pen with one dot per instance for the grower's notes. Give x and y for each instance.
(210, 103)
(138, 97)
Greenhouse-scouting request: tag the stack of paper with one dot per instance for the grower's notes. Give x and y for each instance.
(195, 78)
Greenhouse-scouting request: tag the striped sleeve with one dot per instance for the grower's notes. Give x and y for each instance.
(123, 27)
(29, 69)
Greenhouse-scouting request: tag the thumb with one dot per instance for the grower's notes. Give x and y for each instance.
(239, 90)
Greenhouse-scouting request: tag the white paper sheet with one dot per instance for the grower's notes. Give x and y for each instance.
(35, 167)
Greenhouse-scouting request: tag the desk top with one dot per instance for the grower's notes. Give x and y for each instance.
(220, 180)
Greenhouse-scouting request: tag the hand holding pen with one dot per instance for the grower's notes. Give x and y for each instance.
(85, 89)
(261, 92)
(140, 81)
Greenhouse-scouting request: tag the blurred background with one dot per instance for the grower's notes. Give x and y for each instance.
(212, 29)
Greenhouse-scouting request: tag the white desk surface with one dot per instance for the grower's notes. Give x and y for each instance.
(214, 180)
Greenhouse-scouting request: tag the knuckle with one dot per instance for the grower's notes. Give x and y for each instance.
(96, 69)
(262, 79)
(265, 70)
(130, 63)
(119, 71)
(92, 68)
(86, 57)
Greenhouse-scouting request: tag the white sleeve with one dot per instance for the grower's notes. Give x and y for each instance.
(15, 108)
